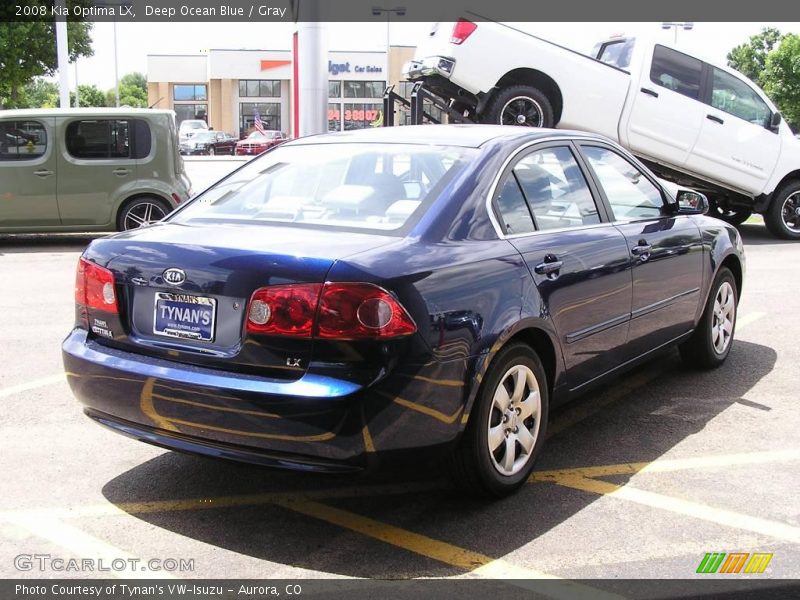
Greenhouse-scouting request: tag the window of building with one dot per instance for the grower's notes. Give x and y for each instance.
(22, 140)
(99, 138)
(363, 115)
(334, 117)
(259, 88)
(735, 97)
(676, 71)
(182, 92)
(334, 89)
(268, 112)
(190, 111)
(364, 89)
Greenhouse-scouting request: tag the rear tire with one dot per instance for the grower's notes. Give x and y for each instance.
(783, 216)
(521, 105)
(140, 212)
(712, 341)
(507, 426)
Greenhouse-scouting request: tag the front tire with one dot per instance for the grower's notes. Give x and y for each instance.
(507, 425)
(783, 216)
(141, 212)
(711, 342)
(521, 105)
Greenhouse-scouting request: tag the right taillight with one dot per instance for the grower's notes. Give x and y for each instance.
(340, 311)
(94, 287)
(461, 31)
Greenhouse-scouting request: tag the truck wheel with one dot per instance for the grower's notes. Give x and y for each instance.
(734, 216)
(507, 425)
(520, 105)
(783, 216)
(140, 212)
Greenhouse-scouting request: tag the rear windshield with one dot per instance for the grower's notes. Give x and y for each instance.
(379, 187)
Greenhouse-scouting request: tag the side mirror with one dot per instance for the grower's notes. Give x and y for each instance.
(775, 121)
(691, 203)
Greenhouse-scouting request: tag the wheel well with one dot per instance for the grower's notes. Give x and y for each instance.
(736, 268)
(541, 343)
(135, 197)
(539, 80)
(789, 177)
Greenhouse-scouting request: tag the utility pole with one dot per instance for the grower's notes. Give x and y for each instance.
(62, 55)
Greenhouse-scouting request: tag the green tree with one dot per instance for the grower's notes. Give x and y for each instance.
(28, 50)
(132, 91)
(39, 93)
(750, 58)
(782, 78)
(89, 96)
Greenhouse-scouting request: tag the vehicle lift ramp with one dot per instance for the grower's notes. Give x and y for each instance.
(416, 107)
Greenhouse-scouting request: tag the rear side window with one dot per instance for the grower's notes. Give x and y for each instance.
(513, 208)
(735, 97)
(97, 139)
(676, 71)
(22, 140)
(617, 53)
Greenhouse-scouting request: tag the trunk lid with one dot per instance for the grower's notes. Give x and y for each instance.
(183, 290)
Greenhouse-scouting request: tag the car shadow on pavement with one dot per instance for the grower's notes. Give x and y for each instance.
(756, 234)
(637, 426)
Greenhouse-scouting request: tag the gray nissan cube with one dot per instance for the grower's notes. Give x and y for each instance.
(92, 169)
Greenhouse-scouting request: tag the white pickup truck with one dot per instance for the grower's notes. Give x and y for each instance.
(695, 123)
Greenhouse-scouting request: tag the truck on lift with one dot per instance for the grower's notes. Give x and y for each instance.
(693, 122)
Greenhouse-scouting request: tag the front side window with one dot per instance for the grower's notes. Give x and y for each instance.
(97, 139)
(182, 92)
(341, 186)
(676, 71)
(556, 189)
(735, 97)
(22, 140)
(630, 193)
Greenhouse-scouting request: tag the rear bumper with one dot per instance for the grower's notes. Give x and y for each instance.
(431, 65)
(317, 422)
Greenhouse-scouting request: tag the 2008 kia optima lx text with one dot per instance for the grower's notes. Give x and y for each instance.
(431, 289)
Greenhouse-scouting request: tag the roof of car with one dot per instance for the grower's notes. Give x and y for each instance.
(28, 113)
(471, 136)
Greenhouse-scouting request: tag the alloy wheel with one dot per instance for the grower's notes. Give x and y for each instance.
(724, 317)
(523, 111)
(514, 421)
(144, 213)
(790, 212)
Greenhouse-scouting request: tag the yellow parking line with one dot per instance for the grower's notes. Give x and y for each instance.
(146, 406)
(31, 385)
(462, 558)
(721, 516)
(667, 465)
(83, 545)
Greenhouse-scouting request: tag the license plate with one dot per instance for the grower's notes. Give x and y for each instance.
(184, 316)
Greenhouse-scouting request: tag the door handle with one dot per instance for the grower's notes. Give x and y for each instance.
(550, 267)
(43, 173)
(642, 250)
(650, 92)
(715, 118)
(121, 171)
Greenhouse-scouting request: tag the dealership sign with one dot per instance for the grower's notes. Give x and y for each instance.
(345, 67)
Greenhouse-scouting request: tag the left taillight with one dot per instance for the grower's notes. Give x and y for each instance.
(334, 311)
(462, 29)
(94, 287)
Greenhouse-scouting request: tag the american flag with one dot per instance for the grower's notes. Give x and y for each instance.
(258, 124)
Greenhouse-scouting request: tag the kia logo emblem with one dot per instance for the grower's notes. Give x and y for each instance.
(174, 276)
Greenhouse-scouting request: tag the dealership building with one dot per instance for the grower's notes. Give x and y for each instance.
(228, 87)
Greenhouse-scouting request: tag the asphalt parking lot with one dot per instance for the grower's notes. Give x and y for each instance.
(640, 479)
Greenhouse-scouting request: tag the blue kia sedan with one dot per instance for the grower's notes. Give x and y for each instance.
(347, 299)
